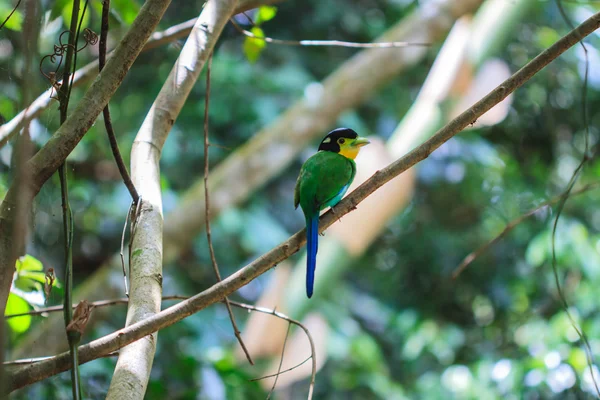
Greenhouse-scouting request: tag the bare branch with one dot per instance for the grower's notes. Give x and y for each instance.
(280, 372)
(94, 304)
(513, 224)
(11, 13)
(33, 360)
(217, 292)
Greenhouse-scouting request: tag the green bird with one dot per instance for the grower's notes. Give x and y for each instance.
(324, 179)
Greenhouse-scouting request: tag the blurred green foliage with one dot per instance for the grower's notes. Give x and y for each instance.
(401, 327)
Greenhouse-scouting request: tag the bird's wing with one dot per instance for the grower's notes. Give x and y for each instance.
(335, 176)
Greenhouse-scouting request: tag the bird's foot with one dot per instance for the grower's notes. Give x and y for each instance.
(334, 213)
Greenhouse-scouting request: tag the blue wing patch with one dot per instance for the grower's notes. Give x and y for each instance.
(336, 199)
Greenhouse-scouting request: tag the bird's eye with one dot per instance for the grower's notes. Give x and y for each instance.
(341, 141)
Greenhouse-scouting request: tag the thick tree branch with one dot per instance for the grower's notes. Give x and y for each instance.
(135, 361)
(173, 314)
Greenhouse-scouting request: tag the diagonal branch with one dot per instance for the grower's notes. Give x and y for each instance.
(171, 315)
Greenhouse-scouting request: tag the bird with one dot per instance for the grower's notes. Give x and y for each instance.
(323, 180)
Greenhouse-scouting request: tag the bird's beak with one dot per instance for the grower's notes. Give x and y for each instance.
(360, 141)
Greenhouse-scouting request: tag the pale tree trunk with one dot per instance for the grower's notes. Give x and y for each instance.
(135, 360)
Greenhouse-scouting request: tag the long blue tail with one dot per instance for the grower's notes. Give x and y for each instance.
(312, 245)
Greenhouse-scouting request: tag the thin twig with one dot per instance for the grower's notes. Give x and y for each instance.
(114, 146)
(327, 43)
(63, 96)
(211, 250)
(10, 15)
(74, 44)
(512, 224)
(584, 159)
(287, 334)
(313, 354)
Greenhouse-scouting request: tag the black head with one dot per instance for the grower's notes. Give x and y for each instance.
(331, 142)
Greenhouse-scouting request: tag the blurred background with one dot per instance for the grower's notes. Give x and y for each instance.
(388, 318)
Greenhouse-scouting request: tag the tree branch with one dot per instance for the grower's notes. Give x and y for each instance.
(135, 361)
(171, 315)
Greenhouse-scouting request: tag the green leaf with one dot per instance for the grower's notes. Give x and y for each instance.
(28, 263)
(265, 13)
(253, 47)
(15, 22)
(16, 305)
(30, 274)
